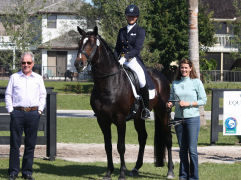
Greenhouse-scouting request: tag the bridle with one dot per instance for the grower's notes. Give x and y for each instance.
(89, 58)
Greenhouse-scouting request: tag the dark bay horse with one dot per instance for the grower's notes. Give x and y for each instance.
(111, 100)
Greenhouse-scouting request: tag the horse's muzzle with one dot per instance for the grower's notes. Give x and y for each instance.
(79, 65)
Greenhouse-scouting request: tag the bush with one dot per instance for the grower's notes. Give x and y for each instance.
(208, 89)
(90, 89)
(68, 89)
(79, 88)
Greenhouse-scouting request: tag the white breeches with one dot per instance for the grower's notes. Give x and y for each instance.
(135, 66)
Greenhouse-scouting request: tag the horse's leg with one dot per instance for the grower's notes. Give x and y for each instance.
(170, 173)
(121, 128)
(142, 136)
(162, 115)
(106, 130)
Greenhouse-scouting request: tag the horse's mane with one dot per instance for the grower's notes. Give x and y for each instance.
(107, 46)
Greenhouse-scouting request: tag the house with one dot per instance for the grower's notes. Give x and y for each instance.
(224, 13)
(58, 30)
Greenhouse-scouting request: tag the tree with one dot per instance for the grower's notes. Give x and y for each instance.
(194, 45)
(170, 29)
(165, 22)
(236, 40)
(111, 15)
(23, 26)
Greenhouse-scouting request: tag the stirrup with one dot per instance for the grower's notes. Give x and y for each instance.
(145, 114)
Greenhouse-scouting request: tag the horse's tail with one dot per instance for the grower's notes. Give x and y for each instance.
(159, 141)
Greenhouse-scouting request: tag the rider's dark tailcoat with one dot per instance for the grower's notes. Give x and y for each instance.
(129, 45)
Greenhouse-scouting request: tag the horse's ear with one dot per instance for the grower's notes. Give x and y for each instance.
(82, 32)
(96, 30)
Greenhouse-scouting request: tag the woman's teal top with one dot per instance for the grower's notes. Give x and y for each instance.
(188, 90)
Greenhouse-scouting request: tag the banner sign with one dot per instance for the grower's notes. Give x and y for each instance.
(232, 113)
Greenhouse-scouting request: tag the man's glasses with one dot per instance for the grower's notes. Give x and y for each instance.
(26, 62)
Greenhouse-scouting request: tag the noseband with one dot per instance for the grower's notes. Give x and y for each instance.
(89, 58)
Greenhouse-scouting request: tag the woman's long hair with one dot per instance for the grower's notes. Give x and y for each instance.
(193, 74)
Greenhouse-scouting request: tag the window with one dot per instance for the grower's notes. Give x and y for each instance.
(222, 28)
(52, 21)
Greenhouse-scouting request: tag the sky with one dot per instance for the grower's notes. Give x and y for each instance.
(88, 1)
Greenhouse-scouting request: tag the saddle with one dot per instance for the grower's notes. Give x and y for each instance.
(133, 78)
(136, 104)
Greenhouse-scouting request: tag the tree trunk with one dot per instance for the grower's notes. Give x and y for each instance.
(194, 45)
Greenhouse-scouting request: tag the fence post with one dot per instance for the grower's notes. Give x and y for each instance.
(51, 102)
(215, 112)
(47, 123)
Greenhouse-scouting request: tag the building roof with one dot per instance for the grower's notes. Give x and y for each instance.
(68, 40)
(222, 9)
(51, 6)
(61, 6)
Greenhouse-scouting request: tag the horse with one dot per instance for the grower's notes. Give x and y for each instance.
(112, 98)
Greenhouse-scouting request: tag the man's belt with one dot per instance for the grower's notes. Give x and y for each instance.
(26, 109)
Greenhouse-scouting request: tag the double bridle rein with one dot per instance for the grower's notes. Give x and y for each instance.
(89, 58)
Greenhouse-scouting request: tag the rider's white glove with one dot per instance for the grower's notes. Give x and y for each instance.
(122, 60)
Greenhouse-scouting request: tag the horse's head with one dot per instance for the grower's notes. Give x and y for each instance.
(88, 47)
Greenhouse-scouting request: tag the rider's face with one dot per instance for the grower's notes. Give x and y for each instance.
(131, 19)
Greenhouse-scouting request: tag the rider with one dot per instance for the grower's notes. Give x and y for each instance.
(129, 43)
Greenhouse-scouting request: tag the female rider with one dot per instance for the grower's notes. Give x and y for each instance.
(128, 46)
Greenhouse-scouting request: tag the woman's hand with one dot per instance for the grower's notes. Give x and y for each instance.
(184, 104)
(169, 105)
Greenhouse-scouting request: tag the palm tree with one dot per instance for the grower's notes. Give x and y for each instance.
(194, 44)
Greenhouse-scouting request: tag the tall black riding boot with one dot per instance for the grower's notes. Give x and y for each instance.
(145, 113)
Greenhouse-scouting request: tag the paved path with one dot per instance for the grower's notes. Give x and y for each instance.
(90, 113)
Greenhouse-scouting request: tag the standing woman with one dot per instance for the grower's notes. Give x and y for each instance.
(192, 94)
(128, 46)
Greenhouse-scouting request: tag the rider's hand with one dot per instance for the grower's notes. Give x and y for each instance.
(122, 60)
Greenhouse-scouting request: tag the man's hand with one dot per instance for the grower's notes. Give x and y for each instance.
(122, 60)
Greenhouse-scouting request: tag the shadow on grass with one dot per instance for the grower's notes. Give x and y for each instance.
(86, 171)
(80, 171)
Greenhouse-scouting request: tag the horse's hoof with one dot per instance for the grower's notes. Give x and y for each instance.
(170, 175)
(134, 173)
(107, 177)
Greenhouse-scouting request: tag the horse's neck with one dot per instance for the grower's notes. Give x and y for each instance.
(106, 64)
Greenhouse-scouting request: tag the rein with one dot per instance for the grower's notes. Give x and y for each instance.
(176, 123)
(89, 58)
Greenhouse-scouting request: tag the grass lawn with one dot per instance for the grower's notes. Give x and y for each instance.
(65, 170)
(86, 130)
(68, 99)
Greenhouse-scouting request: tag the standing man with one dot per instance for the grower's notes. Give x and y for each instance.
(25, 98)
